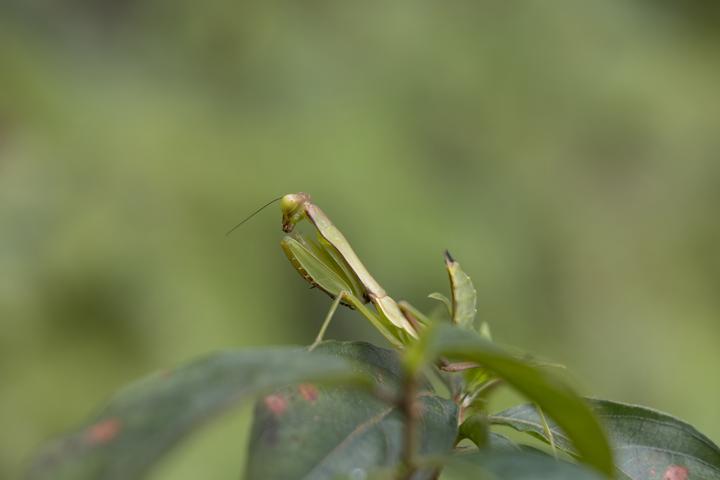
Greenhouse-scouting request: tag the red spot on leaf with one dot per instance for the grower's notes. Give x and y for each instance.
(676, 472)
(103, 431)
(276, 404)
(308, 392)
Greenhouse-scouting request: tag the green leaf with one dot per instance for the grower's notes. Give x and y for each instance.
(464, 296)
(555, 397)
(143, 421)
(328, 432)
(484, 331)
(442, 299)
(498, 441)
(648, 444)
(476, 428)
(514, 465)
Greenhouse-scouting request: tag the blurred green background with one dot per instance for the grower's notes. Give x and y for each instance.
(567, 153)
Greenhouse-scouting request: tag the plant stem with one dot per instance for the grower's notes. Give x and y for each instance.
(408, 407)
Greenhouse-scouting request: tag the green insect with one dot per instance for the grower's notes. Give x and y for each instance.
(330, 264)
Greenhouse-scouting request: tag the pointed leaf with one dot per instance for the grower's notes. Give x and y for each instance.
(648, 444)
(476, 428)
(556, 398)
(484, 331)
(464, 296)
(146, 419)
(442, 299)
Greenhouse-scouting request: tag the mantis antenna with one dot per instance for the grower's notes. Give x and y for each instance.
(252, 215)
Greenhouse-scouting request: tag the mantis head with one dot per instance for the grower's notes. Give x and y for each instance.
(293, 209)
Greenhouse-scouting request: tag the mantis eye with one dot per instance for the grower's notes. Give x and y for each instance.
(289, 203)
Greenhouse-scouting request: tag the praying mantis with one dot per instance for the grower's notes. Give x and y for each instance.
(330, 264)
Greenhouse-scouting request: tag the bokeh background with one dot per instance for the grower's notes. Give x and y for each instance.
(566, 152)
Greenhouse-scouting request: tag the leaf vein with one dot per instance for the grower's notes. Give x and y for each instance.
(360, 428)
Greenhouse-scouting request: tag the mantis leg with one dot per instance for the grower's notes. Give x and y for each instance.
(346, 297)
(339, 298)
(547, 430)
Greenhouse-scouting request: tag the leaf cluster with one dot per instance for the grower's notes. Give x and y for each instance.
(354, 410)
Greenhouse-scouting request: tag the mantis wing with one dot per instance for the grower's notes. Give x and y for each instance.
(312, 269)
(326, 254)
(320, 275)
